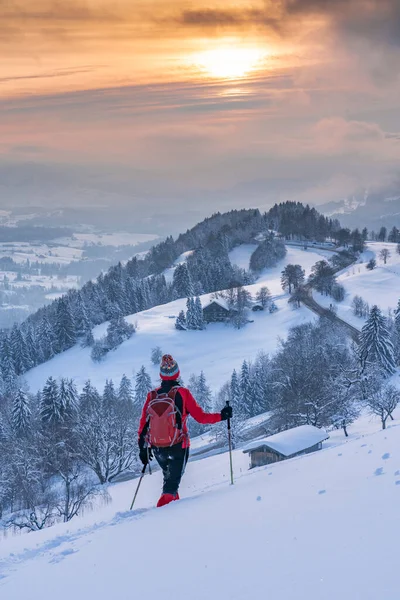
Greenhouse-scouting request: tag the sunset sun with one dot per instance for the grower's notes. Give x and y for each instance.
(229, 62)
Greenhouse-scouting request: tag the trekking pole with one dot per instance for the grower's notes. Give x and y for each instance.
(138, 486)
(230, 445)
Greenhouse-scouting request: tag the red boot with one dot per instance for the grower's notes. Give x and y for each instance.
(166, 499)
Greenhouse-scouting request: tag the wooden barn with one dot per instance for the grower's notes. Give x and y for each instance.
(217, 311)
(287, 444)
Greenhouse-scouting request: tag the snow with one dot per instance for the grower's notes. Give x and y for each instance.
(292, 441)
(220, 302)
(380, 286)
(240, 256)
(220, 347)
(120, 238)
(299, 529)
(169, 273)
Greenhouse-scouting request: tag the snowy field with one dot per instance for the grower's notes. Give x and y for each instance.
(67, 250)
(220, 347)
(44, 253)
(316, 527)
(45, 281)
(380, 286)
(119, 238)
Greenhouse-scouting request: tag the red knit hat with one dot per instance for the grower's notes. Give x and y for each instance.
(169, 369)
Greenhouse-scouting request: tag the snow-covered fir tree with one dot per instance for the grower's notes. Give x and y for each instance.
(21, 412)
(51, 409)
(190, 314)
(156, 355)
(375, 344)
(125, 392)
(109, 394)
(180, 322)
(142, 386)
(118, 331)
(182, 282)
(9, 377)
(69, 398)
(89, 400)
(235, 393)
(64, 326)
(397, 318)
(246, 391)
(198, 309)
(20, 351)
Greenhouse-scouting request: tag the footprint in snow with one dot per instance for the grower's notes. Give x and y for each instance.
(321, 492)
(258, 498)
(340, 454)
(379, 471)
(397, 482)
(397, 473)
(369, 451)
(386, 456)
(364, 446)
(58, 557)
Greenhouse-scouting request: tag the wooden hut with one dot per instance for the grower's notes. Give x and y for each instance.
(257, 307)
(287, 444)
(217, 311)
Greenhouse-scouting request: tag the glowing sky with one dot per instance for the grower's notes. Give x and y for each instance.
(250, 100)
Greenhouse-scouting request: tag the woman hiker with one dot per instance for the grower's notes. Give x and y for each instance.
(163, 427)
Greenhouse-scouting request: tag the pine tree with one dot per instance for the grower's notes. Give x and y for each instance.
(21, 412)
(198, 310)
(125, 392)
(118, 331)
(180, 322)
(7, 367)
(89, 401)
(51, 409)
(83, 326)
(182, 282)
(235, 393)
(156, 355)
(375, 344)
(142, 386)
(202, 392)
(64, 326)
(19, 351)
(190, 314)
(68, 398)
(109, 394)
(46, 339)
(245, 390)
(397, 318)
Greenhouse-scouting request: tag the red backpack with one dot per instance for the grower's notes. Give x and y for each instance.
(164, 419)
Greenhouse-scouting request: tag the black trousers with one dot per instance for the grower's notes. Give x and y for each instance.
(172, 461)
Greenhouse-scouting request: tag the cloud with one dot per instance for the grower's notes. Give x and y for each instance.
(368, 19)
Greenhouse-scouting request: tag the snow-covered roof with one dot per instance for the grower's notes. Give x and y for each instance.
(290, 442)
(221, 302)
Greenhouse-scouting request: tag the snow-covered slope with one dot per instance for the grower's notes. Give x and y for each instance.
(380, 286)
(317, 527)
(217, 350)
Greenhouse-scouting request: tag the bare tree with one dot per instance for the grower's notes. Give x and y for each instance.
(383, 401)
(384, 254)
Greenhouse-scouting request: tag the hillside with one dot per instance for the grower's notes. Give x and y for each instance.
(305, 528)
(380, 286)
(216, 350)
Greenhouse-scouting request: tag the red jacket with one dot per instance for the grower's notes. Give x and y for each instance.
(190, 407)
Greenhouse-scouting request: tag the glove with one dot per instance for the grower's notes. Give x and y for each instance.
(226, 413)
(145, 455)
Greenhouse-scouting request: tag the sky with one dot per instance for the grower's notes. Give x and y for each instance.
(218, 104)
